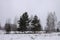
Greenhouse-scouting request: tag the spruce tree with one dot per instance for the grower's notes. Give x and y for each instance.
(23, 22)
(36, 24)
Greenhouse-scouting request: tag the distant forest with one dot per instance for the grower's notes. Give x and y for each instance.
(32, 24)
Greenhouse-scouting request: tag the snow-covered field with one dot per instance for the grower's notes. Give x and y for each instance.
(51, 36)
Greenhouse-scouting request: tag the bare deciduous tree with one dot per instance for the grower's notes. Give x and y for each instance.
(51, 21)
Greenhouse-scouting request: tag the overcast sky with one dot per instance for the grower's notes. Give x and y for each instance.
(41, 8)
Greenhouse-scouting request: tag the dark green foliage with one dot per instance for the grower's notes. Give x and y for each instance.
(23, 22)
(7, 28)
(36, 24)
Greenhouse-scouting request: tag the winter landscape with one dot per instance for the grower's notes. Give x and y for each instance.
(29, 20)
(31, 29)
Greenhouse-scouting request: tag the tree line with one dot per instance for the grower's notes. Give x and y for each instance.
(32, 24)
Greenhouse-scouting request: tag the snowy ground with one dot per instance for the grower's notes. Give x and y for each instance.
(51, 36)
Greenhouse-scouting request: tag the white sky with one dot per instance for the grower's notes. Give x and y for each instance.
(12, 8)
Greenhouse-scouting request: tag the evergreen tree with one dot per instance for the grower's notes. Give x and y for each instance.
(23, 22)
(7, 28)
(36, 24)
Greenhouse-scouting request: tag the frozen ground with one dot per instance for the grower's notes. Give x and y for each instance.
(51, 36)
